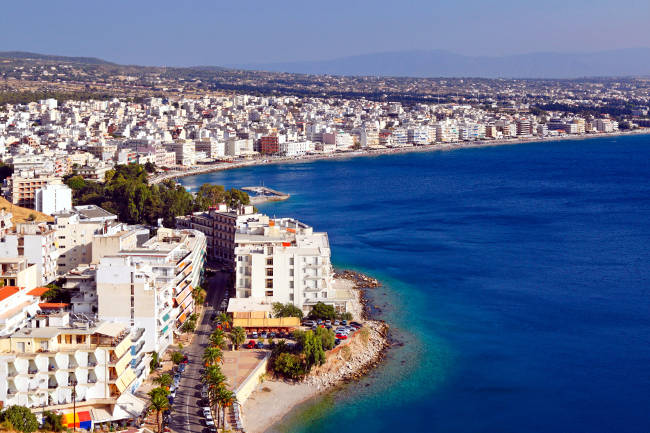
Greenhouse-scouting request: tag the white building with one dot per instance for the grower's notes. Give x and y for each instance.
(150, 286)
(53, 198)
(296, 148)
(37, 243)
(41, 362)
(284, 260)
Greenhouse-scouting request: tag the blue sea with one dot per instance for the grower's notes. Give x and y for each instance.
(516, 282)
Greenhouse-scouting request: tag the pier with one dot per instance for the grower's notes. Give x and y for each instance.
(262, 194)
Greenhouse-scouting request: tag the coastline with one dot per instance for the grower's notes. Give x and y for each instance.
(274, 398)
(221, 166)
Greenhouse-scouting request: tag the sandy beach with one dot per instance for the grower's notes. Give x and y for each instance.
(219, 166)
(274, 398)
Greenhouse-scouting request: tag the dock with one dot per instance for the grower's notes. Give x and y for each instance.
(262, 194)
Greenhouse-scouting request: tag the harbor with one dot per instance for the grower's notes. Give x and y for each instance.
(262, 194)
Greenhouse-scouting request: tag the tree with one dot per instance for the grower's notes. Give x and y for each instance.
(323, 311)
(158, 402)
(218, 339)
(286, 310)
(327, 337)
(52, 421)
(155, 361)
(345, 316)
(289, 365)
(76, 183)
(212, 355)
(164, 380)
(226, 399)
(188, 326)
(150, 167)
(177, 357)
(312, 350)
(199, 295)
(237, 336)
(21, 418)
(224, 320)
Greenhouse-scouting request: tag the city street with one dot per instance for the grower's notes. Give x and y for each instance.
(187, 416)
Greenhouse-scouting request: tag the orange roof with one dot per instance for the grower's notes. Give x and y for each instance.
(38, 291)
(7, 291)
(53, 305)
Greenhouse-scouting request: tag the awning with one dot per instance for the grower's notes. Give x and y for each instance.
(129, 404)
(101, 415)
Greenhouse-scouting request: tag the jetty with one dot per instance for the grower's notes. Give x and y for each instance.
(262, 194)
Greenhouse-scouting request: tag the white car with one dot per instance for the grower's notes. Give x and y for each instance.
(209, 422)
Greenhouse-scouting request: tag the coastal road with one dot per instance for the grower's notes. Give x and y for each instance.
(186, 415)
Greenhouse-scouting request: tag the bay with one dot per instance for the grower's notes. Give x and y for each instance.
(516, 278)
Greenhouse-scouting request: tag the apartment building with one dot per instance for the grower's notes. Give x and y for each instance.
(75, 231)
(21, 188)
(53, 198)
(150, 286)
(219, 225)
(57, 357)
(184, 150)
(296, 148)
(38, 244)
(17, 306)
(284, 260)
(269, 144)
(211, 147)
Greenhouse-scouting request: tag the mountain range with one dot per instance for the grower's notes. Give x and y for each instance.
(441, 63)
(438, 63)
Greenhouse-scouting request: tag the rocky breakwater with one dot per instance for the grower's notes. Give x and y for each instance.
(354, 358)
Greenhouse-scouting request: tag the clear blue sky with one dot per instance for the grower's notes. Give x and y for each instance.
(221, 32)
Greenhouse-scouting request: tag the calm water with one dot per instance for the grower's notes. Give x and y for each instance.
(517, 277)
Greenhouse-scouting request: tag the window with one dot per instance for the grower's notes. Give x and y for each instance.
(269, 283)
(269, 261)
(269, 272)
(268, 293)
(291, 284)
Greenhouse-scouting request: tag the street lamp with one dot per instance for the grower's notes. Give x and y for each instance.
(73, 382)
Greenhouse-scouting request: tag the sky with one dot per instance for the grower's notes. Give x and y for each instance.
(220, 32)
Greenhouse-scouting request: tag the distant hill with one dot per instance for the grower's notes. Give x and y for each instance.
(441, 63)
(35, 56)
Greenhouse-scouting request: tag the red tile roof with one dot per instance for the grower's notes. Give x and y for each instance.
(38, 291)
(8, 291)
(53, 305)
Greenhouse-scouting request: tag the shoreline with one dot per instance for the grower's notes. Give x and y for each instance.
(273, 399)
(223, 166)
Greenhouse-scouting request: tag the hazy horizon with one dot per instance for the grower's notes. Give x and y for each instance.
(166, 33)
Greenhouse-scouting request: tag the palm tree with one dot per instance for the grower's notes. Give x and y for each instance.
(237, 336)
(212, 355)
(226, 399)
(225, 320)
(217, 338)
(164, 380)
(199, 295)
(159, 403)
(214, 379)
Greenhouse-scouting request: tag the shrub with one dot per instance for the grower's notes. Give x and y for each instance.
(289, 365)
(21, 419)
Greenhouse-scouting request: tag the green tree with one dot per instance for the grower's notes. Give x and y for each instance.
(76, 183)
(155, 361)
(218, 338)
(289, 365)
(199, 295)
(189, 326)
(323, 311)
(313, 350)
(345, 316)
(158, 402)
(327, 337)
(286, 310)
(212, 356)
(150, 167)
(209, 195)
(237, 336)
(177, 357)
(164, 380)
(21, 418)
(224, 320)
(52, 421)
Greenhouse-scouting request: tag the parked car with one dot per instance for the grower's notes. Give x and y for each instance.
(344, 322)
(272, 335)
(209, 422)
(259, 345)
(308, 323)
(337, 342)
(328, 322)
(254, 334)
(250, 344)
(319, 321)
(181, 368)
(263, 334)
(356, 324)
(341, 336)
(185, 360)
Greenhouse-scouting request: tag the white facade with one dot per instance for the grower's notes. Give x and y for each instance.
(284, 260)
(53, 198)
(296, 148)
